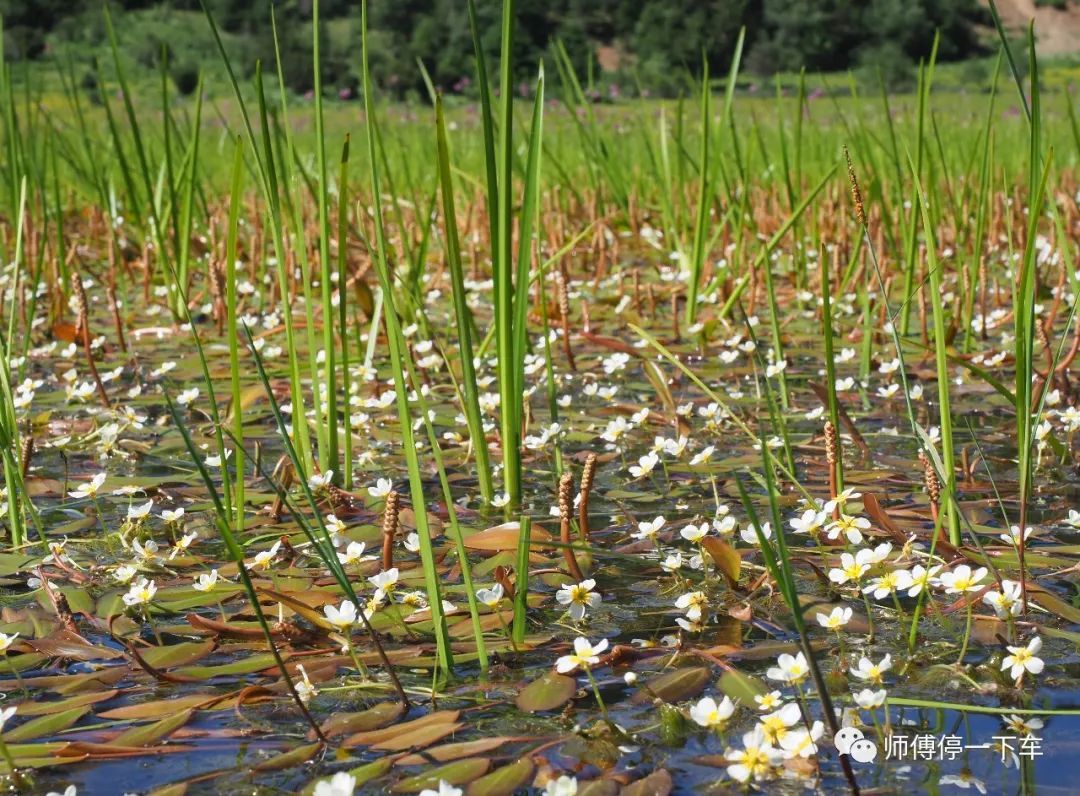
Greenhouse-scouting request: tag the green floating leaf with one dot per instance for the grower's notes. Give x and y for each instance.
(149, 710)
(255, 663)
(45, 725)
(675, 685)
(293, 757)
(503, 781)
(174, 655)
(460, 772)
(741, 686)
(61, 705)
(548, 692)
(373, 718)
(152, 733)
(362, 774)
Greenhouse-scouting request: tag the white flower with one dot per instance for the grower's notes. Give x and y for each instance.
(384, 582)
(305, 689)
(769, 701)
(649, 529)
(1006, 602)
(353, 554)
(1024, 659)
(965, 780)
(342, 617)
(776, 724)
(579, 597)
(888, 583)
(89, 489)
(962, 579)
(262, 560)
(749, 533)
(490, 597)
(692, 603)
(801, 742)
(206, 582)
(124, 573)
(1013, 536)
(921, 578)
(839, 501)
(585, 654)
(382, 488)
(756, 760)
(709, 713)
(810, 521)
(694, 533)
(6, 641)
(141, 593)
(140, 512)
(563, 786)
(6, 714)
(170, 515)
(318, 481)
(341, 784)
(645, 465)
(1021, 725)
(850, 569)
(849, 526)
(187, 396)
(412, 542)
(870, 671)
(500, 500)
(444, 789)
(835, 620)
(869, 700)
(703, 456)
(789, 669)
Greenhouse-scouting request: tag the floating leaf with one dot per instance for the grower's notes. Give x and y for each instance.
(371, 719)
(149, 710)
(657, 783)
(174, 655)
(43, 708)
(456, 751)
(255, 663)
(550, 691)
(741, 686)
(293, 757)
(727, 560)
(675, 685)
(418, 738)
(152, 733)
(460, 772)
(438, 719)
(503, 781)
(505, 537)
(45, 725)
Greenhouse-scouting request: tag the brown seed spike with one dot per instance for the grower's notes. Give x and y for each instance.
(27, 454)
(389, 528)
(933, 485)
(856, 194)
(566, 508)
(587, 476)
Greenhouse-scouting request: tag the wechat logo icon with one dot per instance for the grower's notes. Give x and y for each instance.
(851, 741)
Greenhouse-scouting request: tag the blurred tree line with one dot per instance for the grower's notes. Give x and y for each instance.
(656, 45)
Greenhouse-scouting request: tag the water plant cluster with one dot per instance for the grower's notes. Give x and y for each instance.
(538, 447)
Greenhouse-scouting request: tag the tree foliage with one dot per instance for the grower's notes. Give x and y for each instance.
(657, 44)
